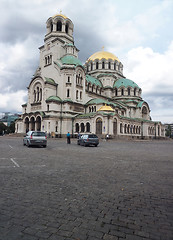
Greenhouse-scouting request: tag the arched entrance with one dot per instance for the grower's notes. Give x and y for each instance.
(26, 124)
(32, 121)
(38, 123)
(98, 126)
(115, 127)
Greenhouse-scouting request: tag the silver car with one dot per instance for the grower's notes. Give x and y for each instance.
(35, 138)
(88, 139)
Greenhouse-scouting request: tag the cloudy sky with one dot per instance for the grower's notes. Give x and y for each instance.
(138, 32)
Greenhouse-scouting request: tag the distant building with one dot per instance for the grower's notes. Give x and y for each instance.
(66, 96)
(8, 118)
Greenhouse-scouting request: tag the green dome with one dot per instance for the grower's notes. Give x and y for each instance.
(124, 82)
(71, 60)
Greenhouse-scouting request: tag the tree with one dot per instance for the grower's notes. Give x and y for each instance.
(168, 131)
(3, 128)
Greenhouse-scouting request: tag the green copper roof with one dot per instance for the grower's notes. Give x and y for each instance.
(53, 99)
(124, 82)
(140, 104)
(93, 80)
(102, 101)
(97, 101)
(50, 80)
(71, 60)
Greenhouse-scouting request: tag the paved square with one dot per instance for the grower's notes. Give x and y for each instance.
(119, 190)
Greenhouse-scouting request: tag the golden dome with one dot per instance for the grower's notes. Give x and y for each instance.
(103, 55)
(60, 14)
(106, 108)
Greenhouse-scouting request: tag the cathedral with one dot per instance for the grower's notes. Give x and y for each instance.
(65, 95)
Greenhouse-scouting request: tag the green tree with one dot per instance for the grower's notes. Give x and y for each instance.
(3, 128)
(168, 131)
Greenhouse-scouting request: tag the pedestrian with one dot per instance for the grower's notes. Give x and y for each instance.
(79, 135)
(107, 137)
(68, 138)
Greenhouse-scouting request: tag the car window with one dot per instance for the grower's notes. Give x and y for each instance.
(85, 136)
(93, 136)
(38, 134)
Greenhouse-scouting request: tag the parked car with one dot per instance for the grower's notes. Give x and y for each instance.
(33, 138)
(88, 139)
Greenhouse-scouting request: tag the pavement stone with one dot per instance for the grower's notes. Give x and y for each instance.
(119, 190)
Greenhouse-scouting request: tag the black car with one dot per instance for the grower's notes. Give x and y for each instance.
(88, 139)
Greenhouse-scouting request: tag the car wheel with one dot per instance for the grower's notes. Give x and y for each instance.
(24, 143)
(96, 145)
(85, 145)
(28, 144)
(44, 146)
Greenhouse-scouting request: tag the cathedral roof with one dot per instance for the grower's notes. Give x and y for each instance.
(93, 80)
(103, 55)
(124, 82)
(71, 60)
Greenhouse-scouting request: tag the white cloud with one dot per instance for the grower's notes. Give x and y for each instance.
(12, 102)
(150, 69)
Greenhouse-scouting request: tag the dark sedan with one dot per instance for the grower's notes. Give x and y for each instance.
(88, 139)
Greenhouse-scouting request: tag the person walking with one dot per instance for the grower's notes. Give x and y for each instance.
(68, 138)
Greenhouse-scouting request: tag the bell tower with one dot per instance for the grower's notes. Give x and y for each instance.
(59, 26)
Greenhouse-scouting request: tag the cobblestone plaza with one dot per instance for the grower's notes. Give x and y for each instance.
(119, 190)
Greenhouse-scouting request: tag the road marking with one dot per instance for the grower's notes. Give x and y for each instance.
(10, 146)
(15, 163)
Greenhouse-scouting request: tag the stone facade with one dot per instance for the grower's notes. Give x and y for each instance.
(65, 95)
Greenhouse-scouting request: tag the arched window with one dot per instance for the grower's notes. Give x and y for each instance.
(94, 108)
(89, 109)
(40, 94)
(97, 65)
(77, 94)
(116, 92)
(128, 129)
(114, 65)
(80, 95)
(144, 112)
(87, 127)
(91, 66)
(128, 89)
(51, 27)
(103, 65)
(134, 91)
(121, 128)
(68, 92)
(34, 96)
(125, 128)
(59, 26)
(82, 126)
(122, 92)
(109, 65)
(37, 94)
(77, 127)
(66, 28)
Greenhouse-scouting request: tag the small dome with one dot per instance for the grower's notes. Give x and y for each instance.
(103, 55)
(60, 15)
(124, 82)
(106, 108)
